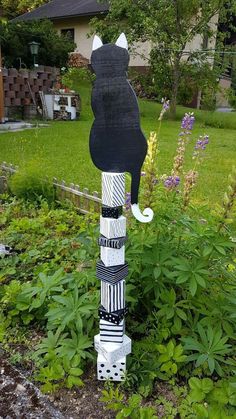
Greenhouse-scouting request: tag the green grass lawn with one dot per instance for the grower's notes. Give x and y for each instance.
(62, 150)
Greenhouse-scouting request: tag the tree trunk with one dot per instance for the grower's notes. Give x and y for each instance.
(175, 87)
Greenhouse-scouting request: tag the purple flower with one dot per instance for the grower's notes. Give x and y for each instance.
(143, 173)
(165, 107)
(165, 104)
(172, 182)
(188, 121)
(128, 201)
(202, 142)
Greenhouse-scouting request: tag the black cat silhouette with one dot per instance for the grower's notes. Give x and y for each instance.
(117, 143)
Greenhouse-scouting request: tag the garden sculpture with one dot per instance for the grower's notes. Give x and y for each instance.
(117, 145)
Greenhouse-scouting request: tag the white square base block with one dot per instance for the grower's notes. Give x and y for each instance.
(112, 228)
(114, 371)
(113, 189)
(112, 351)
(113, 257)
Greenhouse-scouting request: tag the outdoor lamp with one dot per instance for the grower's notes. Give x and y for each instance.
(34, 49)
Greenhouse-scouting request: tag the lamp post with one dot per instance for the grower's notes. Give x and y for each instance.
(34, 49)
(2, 120)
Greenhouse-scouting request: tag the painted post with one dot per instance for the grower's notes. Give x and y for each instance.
(117, 145)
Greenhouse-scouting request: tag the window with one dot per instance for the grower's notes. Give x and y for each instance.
(70, 33)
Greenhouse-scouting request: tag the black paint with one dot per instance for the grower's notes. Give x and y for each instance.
(117, 143)
(111, 212)
(114, 317)
(111, 274)
(112, 243)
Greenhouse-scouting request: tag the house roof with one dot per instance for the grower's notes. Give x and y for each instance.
(57, 9)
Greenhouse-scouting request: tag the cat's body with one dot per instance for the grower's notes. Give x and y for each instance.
(117, 143)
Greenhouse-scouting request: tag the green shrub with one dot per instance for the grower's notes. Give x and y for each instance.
(29, 183)
(15, 38)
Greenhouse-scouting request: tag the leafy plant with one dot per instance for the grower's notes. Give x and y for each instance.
(209, 348)
(132, 409)
(171, 356)
(192, 271)
(70, 310)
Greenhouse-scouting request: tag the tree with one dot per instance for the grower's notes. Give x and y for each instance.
(15, 38)
(13, 8)
(170, 25)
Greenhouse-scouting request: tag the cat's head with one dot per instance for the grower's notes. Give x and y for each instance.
(110, 59)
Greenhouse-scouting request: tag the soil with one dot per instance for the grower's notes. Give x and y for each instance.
(83, 402)
(21, 399)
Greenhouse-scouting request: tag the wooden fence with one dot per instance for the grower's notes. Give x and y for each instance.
(86, 202)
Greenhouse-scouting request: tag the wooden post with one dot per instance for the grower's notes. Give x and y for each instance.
(2, 119)
(112, 344)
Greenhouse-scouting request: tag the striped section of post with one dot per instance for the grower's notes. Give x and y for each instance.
(111, 343)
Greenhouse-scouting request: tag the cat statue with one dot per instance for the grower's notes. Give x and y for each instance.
(116, 142)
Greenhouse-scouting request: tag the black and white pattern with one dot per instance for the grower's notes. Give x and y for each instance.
(113, 189)
(112, 228)
(113, 296)
(109, 212)
(115, 317)
(114, 371)
(112, 351)
(113, 257)
(5, 250)
(113, 243)
(111, 332)
(111, 274)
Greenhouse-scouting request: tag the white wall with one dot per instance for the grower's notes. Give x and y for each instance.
(142, 50)
(84, 44)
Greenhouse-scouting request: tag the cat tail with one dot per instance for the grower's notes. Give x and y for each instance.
(147, 214)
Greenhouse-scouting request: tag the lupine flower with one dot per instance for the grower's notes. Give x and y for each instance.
(179, 159)
(165, 103)
(229, 197)
(189, 182)
(165, 107)
(150, 169)
(202, 142)
(186, 126)
(128, 201)
(200, 146)
(188, 121)
(172, 182)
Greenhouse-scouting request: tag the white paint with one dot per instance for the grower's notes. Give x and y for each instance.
(112, 351)
(97, 43)
(112, 228)
(113, 257)
(113, 189)
(122, 41)
(144, 217)
(114, 371)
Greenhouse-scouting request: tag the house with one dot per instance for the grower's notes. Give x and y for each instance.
(72, 17)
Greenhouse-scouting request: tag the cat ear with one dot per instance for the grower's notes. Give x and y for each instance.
(97, 43)
(122, 41)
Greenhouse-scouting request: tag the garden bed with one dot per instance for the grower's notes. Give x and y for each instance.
(19, 398)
